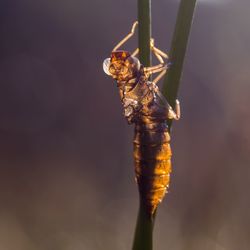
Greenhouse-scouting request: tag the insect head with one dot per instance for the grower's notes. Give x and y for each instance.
(121, 65)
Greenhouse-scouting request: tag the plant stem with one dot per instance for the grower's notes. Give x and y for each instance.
(144, 31)
(143, 238)
(178, 50)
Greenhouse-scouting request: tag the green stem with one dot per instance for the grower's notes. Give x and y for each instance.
(143, 238)
(178, 50)
(144, 31)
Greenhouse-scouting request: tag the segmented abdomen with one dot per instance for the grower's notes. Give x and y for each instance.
(152, 156)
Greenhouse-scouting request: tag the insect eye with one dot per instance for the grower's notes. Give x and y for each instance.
(106, 65)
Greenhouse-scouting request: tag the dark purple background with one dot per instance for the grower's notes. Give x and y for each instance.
(66, 175)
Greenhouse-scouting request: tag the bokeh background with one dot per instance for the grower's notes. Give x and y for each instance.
(66, 168)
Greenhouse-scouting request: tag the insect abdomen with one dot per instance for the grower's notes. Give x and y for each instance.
(152, 156)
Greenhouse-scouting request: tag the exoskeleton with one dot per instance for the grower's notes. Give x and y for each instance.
(147, 108)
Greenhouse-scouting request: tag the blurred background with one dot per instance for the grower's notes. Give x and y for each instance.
(66, 167)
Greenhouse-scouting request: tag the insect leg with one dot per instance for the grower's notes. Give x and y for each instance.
(158, 53)
(125, 39)
(158, 78)
(135, 52)
(176, 115)
(155, 69)
(171, 114)
(160, 67)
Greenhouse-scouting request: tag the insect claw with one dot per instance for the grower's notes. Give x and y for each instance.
(152, 42)
(134, 26)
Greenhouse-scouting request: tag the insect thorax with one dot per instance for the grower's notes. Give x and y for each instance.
(135, 96)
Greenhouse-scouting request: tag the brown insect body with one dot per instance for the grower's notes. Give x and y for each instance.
(144, 107)
(152, 157)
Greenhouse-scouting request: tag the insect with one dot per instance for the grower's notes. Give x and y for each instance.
(146, 108)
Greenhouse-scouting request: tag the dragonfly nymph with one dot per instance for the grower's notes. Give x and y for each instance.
(146, 107)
